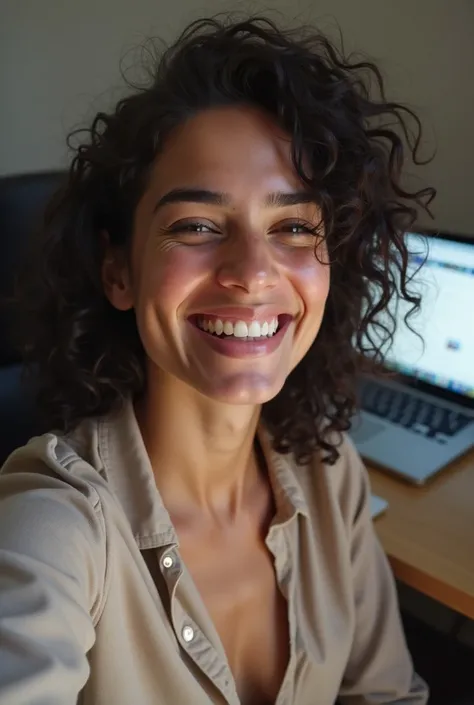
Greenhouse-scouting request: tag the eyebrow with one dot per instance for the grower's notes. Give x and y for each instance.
(277, 199)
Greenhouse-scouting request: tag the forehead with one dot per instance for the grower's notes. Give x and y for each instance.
(237, 150)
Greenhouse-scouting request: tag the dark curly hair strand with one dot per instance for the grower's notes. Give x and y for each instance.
(346, 150)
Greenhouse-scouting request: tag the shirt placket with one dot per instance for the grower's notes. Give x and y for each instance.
(277, 543)
(188, 633)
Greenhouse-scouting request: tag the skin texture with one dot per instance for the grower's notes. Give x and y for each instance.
(247, 250)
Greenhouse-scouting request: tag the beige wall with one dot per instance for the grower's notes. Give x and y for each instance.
(59, 62)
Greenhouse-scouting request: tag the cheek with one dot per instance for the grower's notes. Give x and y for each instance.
(318, 286)
(311, 280)
(165, 278)
(312, 285)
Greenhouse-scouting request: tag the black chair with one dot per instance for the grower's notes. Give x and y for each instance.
(22, 203)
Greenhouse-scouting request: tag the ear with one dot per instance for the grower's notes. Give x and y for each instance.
(116, 278)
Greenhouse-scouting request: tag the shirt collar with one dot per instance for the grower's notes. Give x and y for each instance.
(129, 474)
(282, 470)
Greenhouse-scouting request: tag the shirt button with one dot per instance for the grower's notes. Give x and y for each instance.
(188, 634)
(168, 561)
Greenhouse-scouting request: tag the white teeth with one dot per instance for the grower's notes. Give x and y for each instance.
(239, 329)
(254, 330)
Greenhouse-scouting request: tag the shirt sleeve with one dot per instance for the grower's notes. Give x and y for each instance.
(51, 569)
(379, 670)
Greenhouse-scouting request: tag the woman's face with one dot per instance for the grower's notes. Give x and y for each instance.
(226, 274)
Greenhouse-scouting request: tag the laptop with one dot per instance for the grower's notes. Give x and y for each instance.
(422, 418)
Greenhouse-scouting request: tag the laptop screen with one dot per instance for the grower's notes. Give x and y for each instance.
(445, 355)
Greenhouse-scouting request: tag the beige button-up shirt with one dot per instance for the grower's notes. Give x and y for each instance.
(97, 607)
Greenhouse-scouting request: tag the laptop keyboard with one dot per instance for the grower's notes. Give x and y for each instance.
(415, 414)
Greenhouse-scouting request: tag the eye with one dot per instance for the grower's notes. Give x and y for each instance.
(193, 227)
(297, 229)
(296, 233)
(193, 232)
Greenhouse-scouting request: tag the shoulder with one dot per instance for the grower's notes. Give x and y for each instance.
(51, 460)
(51, 522)
(343, 486)
(348, 474)
(48, 492)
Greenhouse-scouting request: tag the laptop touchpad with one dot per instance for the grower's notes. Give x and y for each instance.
(366, 430)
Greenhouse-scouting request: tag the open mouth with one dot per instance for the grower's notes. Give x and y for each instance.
(241, 330)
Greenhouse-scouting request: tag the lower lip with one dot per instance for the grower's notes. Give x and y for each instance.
(233, 347)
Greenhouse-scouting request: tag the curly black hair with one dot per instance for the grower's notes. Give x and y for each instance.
(348, 147)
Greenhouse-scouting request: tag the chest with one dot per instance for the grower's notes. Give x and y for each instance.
(237, 583)
(137, 657)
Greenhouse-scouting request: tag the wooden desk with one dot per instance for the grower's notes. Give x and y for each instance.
(428, 533)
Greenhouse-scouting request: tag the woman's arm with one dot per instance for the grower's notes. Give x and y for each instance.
(51, 573)
(379, 671)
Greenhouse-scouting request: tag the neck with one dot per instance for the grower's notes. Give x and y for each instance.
(201, 451)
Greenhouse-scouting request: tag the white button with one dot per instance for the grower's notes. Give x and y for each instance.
(168, 561)
(188, 634)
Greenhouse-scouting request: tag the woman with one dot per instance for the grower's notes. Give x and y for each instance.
(198, 530)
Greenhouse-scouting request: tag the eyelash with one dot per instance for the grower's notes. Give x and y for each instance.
(305, 229)
(191, 228)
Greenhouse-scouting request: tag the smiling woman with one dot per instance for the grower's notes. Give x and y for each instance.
(247, 254)
(196, 309)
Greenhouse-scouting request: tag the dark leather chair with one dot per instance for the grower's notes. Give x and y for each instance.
(22, 202)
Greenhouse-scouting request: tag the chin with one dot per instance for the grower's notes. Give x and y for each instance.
(252, 390)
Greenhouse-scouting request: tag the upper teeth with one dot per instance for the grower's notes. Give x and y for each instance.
(239, 329)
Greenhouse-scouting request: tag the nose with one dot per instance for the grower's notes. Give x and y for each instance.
(249, 264)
